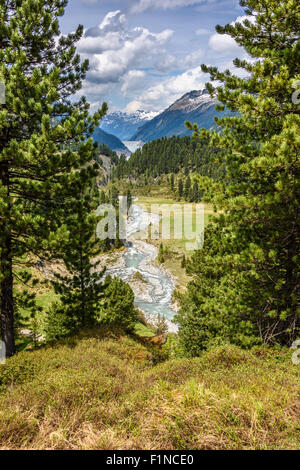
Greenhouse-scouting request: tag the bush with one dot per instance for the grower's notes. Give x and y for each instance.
(59, 322)
(118, 307)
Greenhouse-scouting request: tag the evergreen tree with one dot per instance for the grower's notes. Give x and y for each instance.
(246, 286)
(118, 306)
(183, 262)
(180, 188)
(161, 257)
(81, 289)
(102, 197)
(114, 196)
(172, 182)
(187, 188)
(129, 199)
(161, 326)
(170, 155)
(195, 193)
(44, 148)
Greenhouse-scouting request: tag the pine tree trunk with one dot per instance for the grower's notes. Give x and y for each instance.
(7, 306)
(6, 282)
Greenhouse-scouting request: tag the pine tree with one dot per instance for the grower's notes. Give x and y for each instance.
(183, 262)
(81, 289)
(246, 286)
(129, 199)
(161, 326)
(118, 306)
(194, 197)
(102, 197)
(187, 188)
(161, 257)
(44, 149)
(172, 182)
(180, 188)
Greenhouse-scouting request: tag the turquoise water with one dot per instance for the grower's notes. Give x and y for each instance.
(138, 258)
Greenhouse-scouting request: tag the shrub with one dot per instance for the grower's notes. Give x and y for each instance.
(59, 323)
(118, 307)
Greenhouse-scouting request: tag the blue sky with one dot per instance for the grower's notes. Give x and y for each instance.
(145, 54)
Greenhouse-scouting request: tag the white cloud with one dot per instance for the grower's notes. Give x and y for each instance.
(170, 63)
(193, 59)
(224, 43)
(166, 63)
(132, 80)
(165, 93)
(113, 49)
(133, 106)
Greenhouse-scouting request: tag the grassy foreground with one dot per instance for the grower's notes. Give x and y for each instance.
(103, 391)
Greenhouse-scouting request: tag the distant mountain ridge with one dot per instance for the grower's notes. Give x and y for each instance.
(111, 141)
(124, 125)
(195, 106)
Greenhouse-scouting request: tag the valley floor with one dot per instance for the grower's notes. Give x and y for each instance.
(175, 248)
(104, 391)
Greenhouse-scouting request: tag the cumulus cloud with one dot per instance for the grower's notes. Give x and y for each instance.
(132, 80)
(113, 49)
(137, 65)
(134, 106)
(166, 63)
(166, 92)
(194, 58)
(170, 63)
(223, 43)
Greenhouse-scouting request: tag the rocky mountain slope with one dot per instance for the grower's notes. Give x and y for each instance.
(195, 106)
(111, 141)
(124, 125)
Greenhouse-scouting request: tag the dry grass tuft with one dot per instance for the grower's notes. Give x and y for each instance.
(102, 391)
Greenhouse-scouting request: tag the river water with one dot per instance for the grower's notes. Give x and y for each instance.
(155, 296)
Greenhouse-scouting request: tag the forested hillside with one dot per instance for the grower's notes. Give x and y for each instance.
(196, 106)
(172, 155)
(110, 140)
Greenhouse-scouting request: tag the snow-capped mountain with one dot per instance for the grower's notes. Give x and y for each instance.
(195, 106)
(192, 101)
(124, 125)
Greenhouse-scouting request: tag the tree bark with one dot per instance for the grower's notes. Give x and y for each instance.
(7, 305)
(6, 279)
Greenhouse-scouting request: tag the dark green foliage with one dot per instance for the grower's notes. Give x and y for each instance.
(81, 290)
(129, 199)
(118, 307)
(45, 147)
(164, 156)
(172, 182)
(108, 140)
(180, 187)
(246, 279)
(161, 258)
(183, 262)
(60, 322)
(161, 325)
(187, 188)
(105, 150)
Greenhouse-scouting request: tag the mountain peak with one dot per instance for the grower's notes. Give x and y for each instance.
(191, 100)
(124, 125)
(195, 106)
